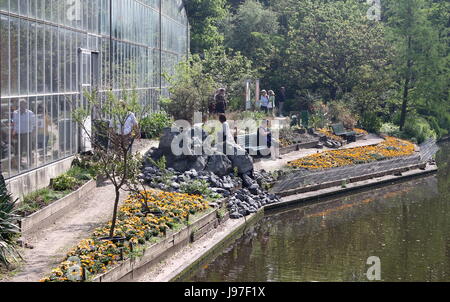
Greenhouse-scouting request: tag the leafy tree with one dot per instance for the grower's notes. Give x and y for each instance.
(190, 90)
(419, 57)
(331, 45)
(229, 70)
(253, 31)
(204, 17)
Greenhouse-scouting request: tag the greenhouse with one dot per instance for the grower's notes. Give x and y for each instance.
(53, 50)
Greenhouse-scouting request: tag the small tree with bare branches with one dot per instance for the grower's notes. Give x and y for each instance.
(114, 160)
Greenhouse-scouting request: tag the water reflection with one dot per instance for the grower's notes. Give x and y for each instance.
(406, 225)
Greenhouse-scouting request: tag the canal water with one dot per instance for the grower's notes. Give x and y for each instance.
(406, 225)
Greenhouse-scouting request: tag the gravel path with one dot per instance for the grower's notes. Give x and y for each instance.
(51, 244)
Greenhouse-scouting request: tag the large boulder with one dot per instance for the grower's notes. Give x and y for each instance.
(165, 142)
(244, 163)
(239, 158)
(219, 164)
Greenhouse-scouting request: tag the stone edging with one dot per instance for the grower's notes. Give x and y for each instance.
(55, 210)
(352, 179)
(173, 242)
(194, 264)
(357, 185)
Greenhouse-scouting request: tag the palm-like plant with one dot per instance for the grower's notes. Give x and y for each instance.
(8, 228)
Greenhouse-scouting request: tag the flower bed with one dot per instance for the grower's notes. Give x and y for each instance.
(391, 147)
(331, 136)
(94, 256)
(360, 131)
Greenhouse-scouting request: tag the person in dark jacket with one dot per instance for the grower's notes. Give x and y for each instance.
(281, 101)
(221, 102)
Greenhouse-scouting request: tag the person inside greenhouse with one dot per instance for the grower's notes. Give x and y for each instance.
(24, 127)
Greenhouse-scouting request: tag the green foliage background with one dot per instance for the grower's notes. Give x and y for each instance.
(392, 71)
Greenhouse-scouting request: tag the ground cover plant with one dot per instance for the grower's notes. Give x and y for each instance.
(60, 187)
(94, 256)
(391, 147)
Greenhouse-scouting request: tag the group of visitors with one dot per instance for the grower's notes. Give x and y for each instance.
(269, 103)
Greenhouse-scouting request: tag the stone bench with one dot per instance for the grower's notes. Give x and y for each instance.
(339, 130)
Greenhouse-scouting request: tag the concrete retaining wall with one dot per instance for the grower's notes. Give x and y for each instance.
(27, 183)
(333, 191)
(54, 211)
(173, 242)
(233, 233)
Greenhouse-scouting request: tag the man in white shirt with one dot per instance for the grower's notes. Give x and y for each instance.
(225, 138)
(24, 126)
(130, 128)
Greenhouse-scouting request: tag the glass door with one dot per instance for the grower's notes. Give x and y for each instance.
(88, 82)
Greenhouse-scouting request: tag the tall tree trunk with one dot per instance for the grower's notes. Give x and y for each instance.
(114, 219)
(406, 86)
(405, 103)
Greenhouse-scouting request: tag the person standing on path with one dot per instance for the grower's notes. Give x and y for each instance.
(221, 101)
(128, 130)
(281, 101)
(264, 101)
(225, 138)
(264, 136)
(271, 106)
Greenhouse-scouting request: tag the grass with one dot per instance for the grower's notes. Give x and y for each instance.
(38, 200)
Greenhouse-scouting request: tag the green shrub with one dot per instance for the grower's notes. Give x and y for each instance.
(8, 228)
(199, 187)
(390, 129)
(418, 129)
(81, 174)
(153, 125)
(65, 182)
(251, 115)
(371, 122)
(85, 162)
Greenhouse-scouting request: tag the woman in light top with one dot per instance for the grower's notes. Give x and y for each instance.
(264, 101)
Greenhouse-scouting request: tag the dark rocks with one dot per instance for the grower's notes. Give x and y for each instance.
(191, 152)
(213, 167)
(165, 142)
(219, 164)
(247, 201)
(243, 163)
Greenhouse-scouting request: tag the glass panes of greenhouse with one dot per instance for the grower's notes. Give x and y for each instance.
(43, 76)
